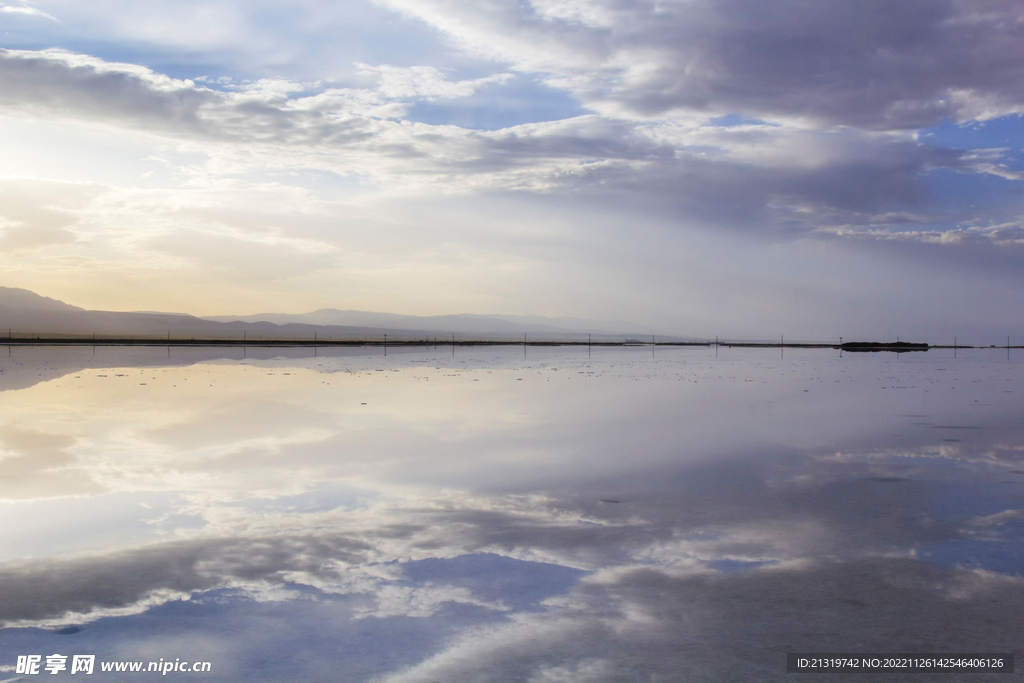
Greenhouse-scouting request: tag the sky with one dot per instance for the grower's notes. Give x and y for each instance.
(810, 168)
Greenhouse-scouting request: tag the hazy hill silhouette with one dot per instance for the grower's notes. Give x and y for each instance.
(23, 312)
(463, 324)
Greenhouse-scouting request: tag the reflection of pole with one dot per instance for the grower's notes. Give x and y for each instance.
(453, 345)
(385, 344)
(716, 346)
(588, 346)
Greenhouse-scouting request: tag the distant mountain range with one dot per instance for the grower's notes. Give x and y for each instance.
(463, 324)
(23, 313)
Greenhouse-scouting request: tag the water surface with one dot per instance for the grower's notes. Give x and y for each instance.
(506, 516)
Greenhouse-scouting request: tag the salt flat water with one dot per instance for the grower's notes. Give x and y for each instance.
(508, 514)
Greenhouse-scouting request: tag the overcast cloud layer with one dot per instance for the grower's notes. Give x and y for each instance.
(811, 168)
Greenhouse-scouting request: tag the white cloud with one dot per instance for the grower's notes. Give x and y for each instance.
(650, 624)
(338, 130)
(25, 10)
(413, 601)
(424, 82)
(281, 125)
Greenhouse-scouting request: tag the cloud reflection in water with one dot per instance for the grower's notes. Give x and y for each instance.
(491, 517)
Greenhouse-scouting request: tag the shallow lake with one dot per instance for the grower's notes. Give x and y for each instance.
(496, 514)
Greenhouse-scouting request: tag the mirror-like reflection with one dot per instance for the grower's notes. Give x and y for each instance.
(339, 515)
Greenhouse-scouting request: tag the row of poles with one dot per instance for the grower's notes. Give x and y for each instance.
(331, 340)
